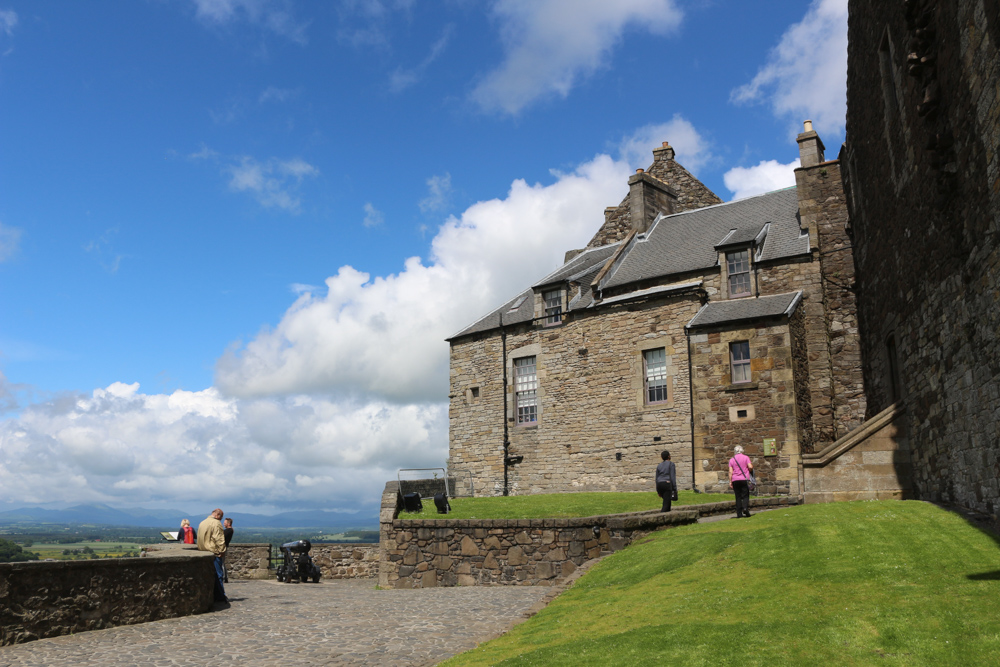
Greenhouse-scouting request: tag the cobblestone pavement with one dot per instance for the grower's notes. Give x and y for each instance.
(344, 622)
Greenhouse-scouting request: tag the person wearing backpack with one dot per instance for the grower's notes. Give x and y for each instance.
(740, 469)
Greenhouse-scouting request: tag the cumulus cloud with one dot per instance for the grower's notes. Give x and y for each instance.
(10, 240)
(767, 176)
(384, 336)
(121, 447)
(806, 73)
(272, 182)
(273, 15)
(438, 193)
(549, 45)
(690, 148)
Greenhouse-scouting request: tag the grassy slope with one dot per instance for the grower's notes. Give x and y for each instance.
(542, 506)
(898, 583)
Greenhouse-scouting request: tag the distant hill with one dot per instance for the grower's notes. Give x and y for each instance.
(170, 519)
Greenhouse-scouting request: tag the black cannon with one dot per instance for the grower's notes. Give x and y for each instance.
(298, 564)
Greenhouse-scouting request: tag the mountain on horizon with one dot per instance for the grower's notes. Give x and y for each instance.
(171, 519)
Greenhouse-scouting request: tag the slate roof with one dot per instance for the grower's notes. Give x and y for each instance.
(582, 268)
(687, 241)
(737, 310)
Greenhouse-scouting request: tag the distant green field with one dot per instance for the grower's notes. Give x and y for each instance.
(77, 550)
(559, 505)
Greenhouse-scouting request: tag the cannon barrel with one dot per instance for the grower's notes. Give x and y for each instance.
(298, 546)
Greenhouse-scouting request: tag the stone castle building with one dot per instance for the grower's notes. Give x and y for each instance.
(922, 175)
(686, 324)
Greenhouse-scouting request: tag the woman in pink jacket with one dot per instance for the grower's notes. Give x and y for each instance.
(740, 468)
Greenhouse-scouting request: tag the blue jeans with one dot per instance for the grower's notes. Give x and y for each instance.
(220, 572)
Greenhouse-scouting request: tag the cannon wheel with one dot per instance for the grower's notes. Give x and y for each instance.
(316, 579)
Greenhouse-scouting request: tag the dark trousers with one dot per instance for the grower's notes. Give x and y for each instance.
(665, 491)
(742, 490)
(220, 572)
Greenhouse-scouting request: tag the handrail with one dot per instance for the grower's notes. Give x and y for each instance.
(852, 439)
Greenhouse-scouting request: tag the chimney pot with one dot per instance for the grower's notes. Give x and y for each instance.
(666, 144)
(810, 146)
(639, 171)
(808, 125)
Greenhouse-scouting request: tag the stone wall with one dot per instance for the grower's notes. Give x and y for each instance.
(923, 182)
(248, 561)
(727, 415)
(335, 561)
(52, 598)
(526, 552)
(594, 430)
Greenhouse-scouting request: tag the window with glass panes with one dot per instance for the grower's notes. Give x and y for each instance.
(553, 307)
(526, 390)
(655, 363)
(738, 264)
(739, 357)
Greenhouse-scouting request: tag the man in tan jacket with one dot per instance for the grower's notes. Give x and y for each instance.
(211, 538)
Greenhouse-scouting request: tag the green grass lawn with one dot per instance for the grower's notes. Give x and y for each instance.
(863, 583)
(559, 505)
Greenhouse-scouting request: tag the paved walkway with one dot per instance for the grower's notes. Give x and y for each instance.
(345, 622)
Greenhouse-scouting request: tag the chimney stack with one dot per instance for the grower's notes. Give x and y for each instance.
(810, 146)
(663, 153)
(648, 196)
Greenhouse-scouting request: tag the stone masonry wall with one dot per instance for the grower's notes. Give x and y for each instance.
(590, 401)
(248, 561)
(923, 182)
(768, 402)
(48, 599)
(335, 561)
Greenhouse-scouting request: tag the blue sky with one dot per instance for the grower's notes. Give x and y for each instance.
(234, 233)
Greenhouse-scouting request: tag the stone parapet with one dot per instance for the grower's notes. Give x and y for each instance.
(248, 561)
(53, 598)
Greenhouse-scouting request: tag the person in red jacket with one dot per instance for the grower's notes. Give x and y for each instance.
(187, 534)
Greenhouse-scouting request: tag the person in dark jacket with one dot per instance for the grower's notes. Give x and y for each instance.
(227, 532)
(666, 480)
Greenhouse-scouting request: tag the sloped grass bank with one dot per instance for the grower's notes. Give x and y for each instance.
(558, 505)
(888, 583)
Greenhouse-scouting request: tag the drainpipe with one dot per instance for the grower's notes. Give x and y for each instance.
(506, 433)
(687, 333)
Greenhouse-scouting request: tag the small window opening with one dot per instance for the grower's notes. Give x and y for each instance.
(553, 307)
(739, 354)
(738, 265)
(741, 414)
(475, 392)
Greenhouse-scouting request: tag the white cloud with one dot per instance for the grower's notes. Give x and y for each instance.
(690, 148)
(767, 176)
(438, 194)
(549, 45)
(273, 15)
(385, 336)
(403, 78)
(806, 73)
(122, 447)
(373, 216)
(272, 182)
(364, 23)
(8, 21)
(104, 250)
(10, 239)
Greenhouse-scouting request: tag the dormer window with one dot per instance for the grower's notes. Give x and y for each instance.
(553, 307)
(738, 265)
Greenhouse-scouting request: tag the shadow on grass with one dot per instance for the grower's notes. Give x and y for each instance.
(985, 576)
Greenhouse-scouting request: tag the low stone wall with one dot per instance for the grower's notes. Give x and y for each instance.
(248, 561)
(335, 561)
(530, 552)
(872, 462)
(347, 561)
(52, 598)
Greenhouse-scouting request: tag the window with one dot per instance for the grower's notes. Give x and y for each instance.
(553, 307)
(738, 264)
(655, 363)
(739, 356)
(526, 390)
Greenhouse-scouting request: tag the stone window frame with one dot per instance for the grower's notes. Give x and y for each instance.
(733, 259)
(526, 392)
(552, 306)
(724, 271)
(647, 390)
(735, 363)
(530, 350)
(639, 376)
